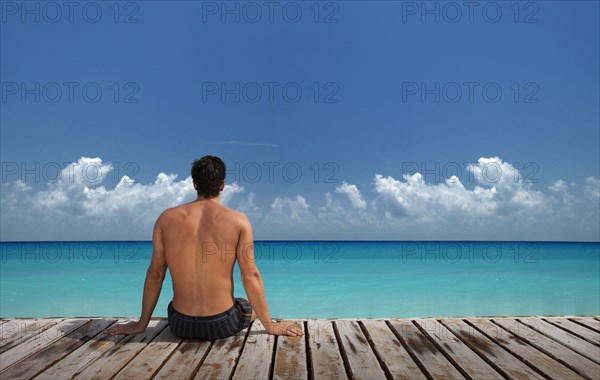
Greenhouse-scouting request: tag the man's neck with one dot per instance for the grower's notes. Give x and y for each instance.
(213, 199)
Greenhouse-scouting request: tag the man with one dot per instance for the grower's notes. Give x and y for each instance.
(200, 242)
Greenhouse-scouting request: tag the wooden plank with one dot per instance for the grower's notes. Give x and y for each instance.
(502, 360)
(589, 322)
(182, 364)
(575, 343)
(576, 329)
(113, 360)
(430, 357)
(77, 360)
(14, 328)
(18, 331)
(551, 347)
(149, 360)
(51, 354)
(464, 357)
(39, 341)
(362, 361)
(524, 351)
(222, 357)
(397, 360)
(46, 343)
(326, 360)
(290, 356)
(255, 361)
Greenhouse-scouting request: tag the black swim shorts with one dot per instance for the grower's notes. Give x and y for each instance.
(218, 326)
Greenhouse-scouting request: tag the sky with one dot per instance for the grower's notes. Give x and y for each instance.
(337, 120)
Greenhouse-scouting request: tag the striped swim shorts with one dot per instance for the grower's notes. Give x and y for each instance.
(218, 326)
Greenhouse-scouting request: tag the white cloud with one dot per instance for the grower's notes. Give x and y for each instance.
(353, 194)
(592, 187)
(558, 186)
(499, 205)
(79, 206)
(292, 209)
(229, 191)
(500, 192)
(334, 213)
(248, 207)
(563, 194)
(286, 215)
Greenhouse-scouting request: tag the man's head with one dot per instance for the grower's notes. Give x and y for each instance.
(208, 174)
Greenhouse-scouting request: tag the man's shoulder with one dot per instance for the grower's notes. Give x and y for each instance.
(233, 215)
(171, 212)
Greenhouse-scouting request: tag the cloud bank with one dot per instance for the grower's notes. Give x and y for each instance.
(500, 206)
(77, 206)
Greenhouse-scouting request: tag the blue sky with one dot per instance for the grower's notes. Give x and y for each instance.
(386, 89)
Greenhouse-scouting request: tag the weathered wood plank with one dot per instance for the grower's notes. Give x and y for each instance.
(255, 361)
(577, 344)
(362, 361)
(511, 366)
(576, 329)
(54, 352)
(113, 360)
(73, 363)
(18, 331)
(39, 341)
(290, 356)
(326, 360)
(390, 350)
(14, 328)
(468, 360)
(430, 357)
(551, 347)
(222, 357)
(589, 322)
(149, 360)
(185, 360)
(526, 352)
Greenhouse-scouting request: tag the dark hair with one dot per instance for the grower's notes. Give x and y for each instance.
(208, 173)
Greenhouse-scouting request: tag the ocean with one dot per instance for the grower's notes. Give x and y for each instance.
(319, 279)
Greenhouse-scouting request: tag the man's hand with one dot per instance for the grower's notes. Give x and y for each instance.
(282, 328)
(127, 329)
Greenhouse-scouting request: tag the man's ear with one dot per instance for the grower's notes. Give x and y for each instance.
(222, 186)
(195, 187)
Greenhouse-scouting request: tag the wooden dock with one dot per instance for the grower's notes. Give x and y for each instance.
(431, 348)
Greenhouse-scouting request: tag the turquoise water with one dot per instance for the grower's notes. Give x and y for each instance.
(319, 279)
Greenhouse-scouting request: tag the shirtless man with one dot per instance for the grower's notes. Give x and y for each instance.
(200, 242)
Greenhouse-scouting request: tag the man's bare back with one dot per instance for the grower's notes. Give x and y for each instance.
(200, 240)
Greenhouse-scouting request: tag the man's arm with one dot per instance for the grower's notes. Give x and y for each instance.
(253, 284)
(155, 276)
